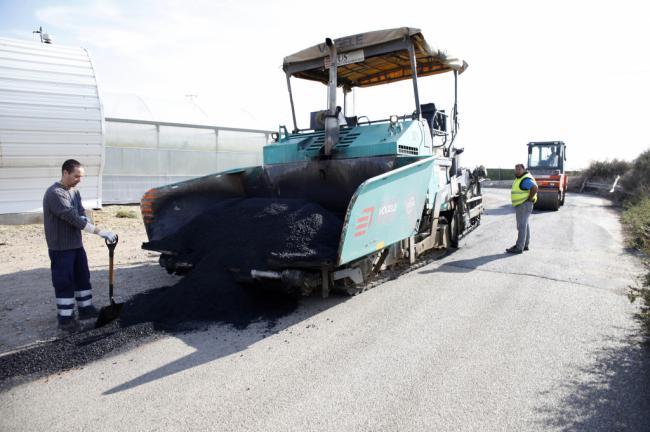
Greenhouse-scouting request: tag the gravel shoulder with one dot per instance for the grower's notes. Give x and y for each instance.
(27, 305)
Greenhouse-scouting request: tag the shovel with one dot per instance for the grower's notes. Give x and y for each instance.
(111, 312)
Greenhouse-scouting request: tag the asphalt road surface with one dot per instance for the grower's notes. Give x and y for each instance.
(476, 341)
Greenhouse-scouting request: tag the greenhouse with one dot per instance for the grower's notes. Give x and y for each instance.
(152, 142)
(52, 109)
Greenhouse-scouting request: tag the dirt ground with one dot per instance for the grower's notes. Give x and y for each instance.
(27, 303)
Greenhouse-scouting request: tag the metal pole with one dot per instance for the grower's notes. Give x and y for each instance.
(332, 84)
(455, 100)
(331, 120)
(414, 72)
(293, 111)
(454, 119)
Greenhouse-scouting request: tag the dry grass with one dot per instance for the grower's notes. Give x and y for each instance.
(123, 213)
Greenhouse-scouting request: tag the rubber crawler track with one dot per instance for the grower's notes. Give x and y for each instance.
(398, 270)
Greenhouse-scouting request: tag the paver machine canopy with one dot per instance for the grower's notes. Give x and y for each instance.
(371, 59)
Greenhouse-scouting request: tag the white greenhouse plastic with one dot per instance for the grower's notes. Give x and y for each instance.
(151, 142)
(50, 111)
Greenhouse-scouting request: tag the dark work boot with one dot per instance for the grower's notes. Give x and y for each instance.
(68, 324)
(88, 312)
(525, 248)
(514, 250)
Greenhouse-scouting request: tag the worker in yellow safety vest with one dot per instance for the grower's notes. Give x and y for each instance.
(523, 195)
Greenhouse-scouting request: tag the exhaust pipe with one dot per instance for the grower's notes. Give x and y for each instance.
(331, 120)
(292, 279)
(265, 274)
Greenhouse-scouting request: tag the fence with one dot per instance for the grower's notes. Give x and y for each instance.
(142, 154)
(601, 186)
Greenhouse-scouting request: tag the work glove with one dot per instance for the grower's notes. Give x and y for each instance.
(84, 218)
(106, 234)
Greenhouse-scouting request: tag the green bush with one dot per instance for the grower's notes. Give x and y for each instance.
(607, 169)
(643, 292)
(636, 182)
(501, 173)
(636, 218)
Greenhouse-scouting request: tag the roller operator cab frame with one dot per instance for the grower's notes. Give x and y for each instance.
(546, 160)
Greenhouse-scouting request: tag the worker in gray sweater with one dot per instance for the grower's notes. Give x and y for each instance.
(64, 218)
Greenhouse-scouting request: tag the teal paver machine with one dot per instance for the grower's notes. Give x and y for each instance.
(396, 179)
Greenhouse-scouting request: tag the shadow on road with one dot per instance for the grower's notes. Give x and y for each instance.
(29, 309)
(500, 211)
(466, 265)
(612, 395)
(507, 209)
(234, 317)
(216, 342)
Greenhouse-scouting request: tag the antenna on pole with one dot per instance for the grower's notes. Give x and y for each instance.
(45, 38)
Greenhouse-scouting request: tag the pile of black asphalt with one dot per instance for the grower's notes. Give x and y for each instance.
(257, 233)
(234, 235)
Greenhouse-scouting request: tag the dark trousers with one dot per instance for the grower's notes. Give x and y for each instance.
(71, 279)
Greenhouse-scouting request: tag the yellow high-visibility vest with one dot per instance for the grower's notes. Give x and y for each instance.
(517, 194)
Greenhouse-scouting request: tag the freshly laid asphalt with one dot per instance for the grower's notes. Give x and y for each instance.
(477, 341)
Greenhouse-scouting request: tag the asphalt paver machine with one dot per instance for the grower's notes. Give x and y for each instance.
(395, 180)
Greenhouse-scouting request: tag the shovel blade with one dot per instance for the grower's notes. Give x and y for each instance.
(108, 314)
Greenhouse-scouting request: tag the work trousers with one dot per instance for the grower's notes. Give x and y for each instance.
(523, 212)
(71, 280)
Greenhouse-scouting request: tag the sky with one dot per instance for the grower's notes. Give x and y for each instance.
(575, 71)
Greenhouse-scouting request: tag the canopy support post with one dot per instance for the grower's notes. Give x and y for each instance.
(331, 120)
(293, 110)
(414, 72)
(454, 125)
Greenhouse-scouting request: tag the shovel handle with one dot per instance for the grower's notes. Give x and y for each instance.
(111, 245)
(111, 249)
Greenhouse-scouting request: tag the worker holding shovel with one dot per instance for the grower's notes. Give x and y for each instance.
(64, 218)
